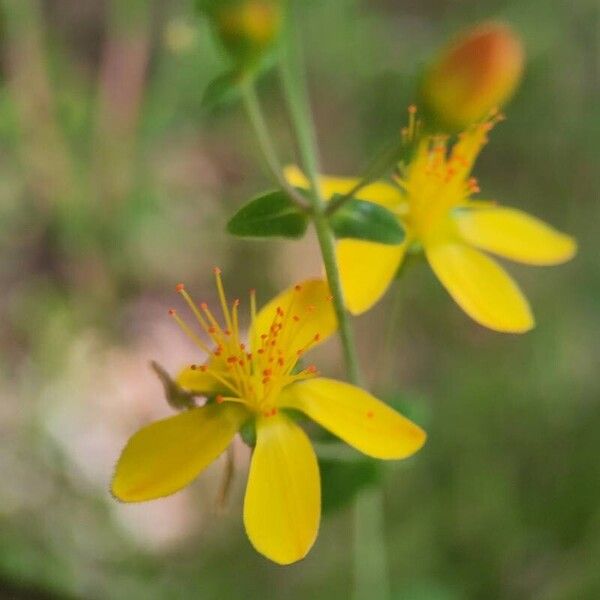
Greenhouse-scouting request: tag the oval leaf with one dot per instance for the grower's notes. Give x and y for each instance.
(270, 215)
(366, 221)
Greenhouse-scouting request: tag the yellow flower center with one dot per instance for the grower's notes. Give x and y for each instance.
(437, 179)
(254, 374)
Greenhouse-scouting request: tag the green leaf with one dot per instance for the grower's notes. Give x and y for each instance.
(271, 215)
(341, 481)
(221, 90)
(363, 220)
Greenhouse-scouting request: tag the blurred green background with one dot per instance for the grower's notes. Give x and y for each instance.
(115, 185)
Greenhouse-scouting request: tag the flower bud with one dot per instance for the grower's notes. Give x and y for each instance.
(474, 75)
(246, 28)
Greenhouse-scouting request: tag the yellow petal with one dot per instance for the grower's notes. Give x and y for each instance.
(366, 271)
(379, 192)
(356, 417)
(282, 507)
(204, 383)
(310, 301)
(515, 235)
(165, 456)
(481, 287)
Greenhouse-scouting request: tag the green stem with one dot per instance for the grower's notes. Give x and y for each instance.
(378, 167)
(267, 147)
(370, 561)
(295, 93)
(370, 567)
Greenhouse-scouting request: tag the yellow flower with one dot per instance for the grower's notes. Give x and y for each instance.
(258, 383)
(433, 200)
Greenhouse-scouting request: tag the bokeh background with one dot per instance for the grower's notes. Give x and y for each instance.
(115, 185)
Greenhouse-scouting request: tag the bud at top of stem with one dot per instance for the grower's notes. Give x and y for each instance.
(246, 28)
(476, 73)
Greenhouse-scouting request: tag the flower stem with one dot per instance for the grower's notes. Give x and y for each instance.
(257, 120)
(299, 108)
(370, 561)
(370, 564)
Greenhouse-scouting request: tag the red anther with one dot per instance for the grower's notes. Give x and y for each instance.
(280, 361)
(217, 352)
(227, 332)
(263, 336)
(241, 362)
(267, 372)
(311, 369)
(273, 412)
(317, 337)
(265, 380)
(204, 368)
(261, 351)
(172, 312)
(232, 359)
(298, 287)
(280, 311)
(193, 367)
(370, 414)
(204, 306)
(212, 330)
(216, 270)
(179, 287)
(249, 356)
(274, 342)
(219, 399)
(296, 318)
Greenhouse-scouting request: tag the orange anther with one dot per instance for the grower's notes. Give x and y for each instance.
(193, 367)
(317, 337)
(172, 312)
(204, 306)
(203, 368)
(370, 414)
(219, 399)
(179, 287)
(298, 287)
(216, 270)
(267, 372)
(296, 318)
(412, 109)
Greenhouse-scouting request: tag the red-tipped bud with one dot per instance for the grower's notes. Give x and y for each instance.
(478, 72)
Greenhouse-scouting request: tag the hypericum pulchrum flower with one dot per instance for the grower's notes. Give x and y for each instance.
(433, 198)
(257, 380)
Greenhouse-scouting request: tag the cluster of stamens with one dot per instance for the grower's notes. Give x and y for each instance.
(437, 177)
(252, 376)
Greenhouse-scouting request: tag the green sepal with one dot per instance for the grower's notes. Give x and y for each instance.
(273, 214)
(367, 221)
